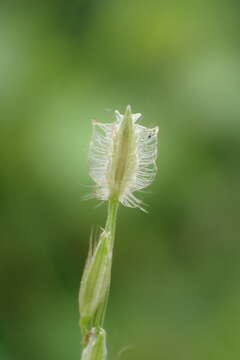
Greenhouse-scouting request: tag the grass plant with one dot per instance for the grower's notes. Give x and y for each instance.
(122, 160)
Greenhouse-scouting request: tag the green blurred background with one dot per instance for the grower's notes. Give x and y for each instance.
(175, 291)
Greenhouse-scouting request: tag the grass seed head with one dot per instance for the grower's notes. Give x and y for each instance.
(122, 158)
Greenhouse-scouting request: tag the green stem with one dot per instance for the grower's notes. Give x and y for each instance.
(112, 219)
(111, 228)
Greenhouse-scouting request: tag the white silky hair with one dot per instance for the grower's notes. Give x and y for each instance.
(140, 168)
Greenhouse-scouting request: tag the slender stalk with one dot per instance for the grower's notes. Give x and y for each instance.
(111, 228)
(112, 219)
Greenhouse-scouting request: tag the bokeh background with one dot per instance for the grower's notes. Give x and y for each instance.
(175, 291)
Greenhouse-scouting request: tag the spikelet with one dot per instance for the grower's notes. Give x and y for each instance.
(122, 158)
